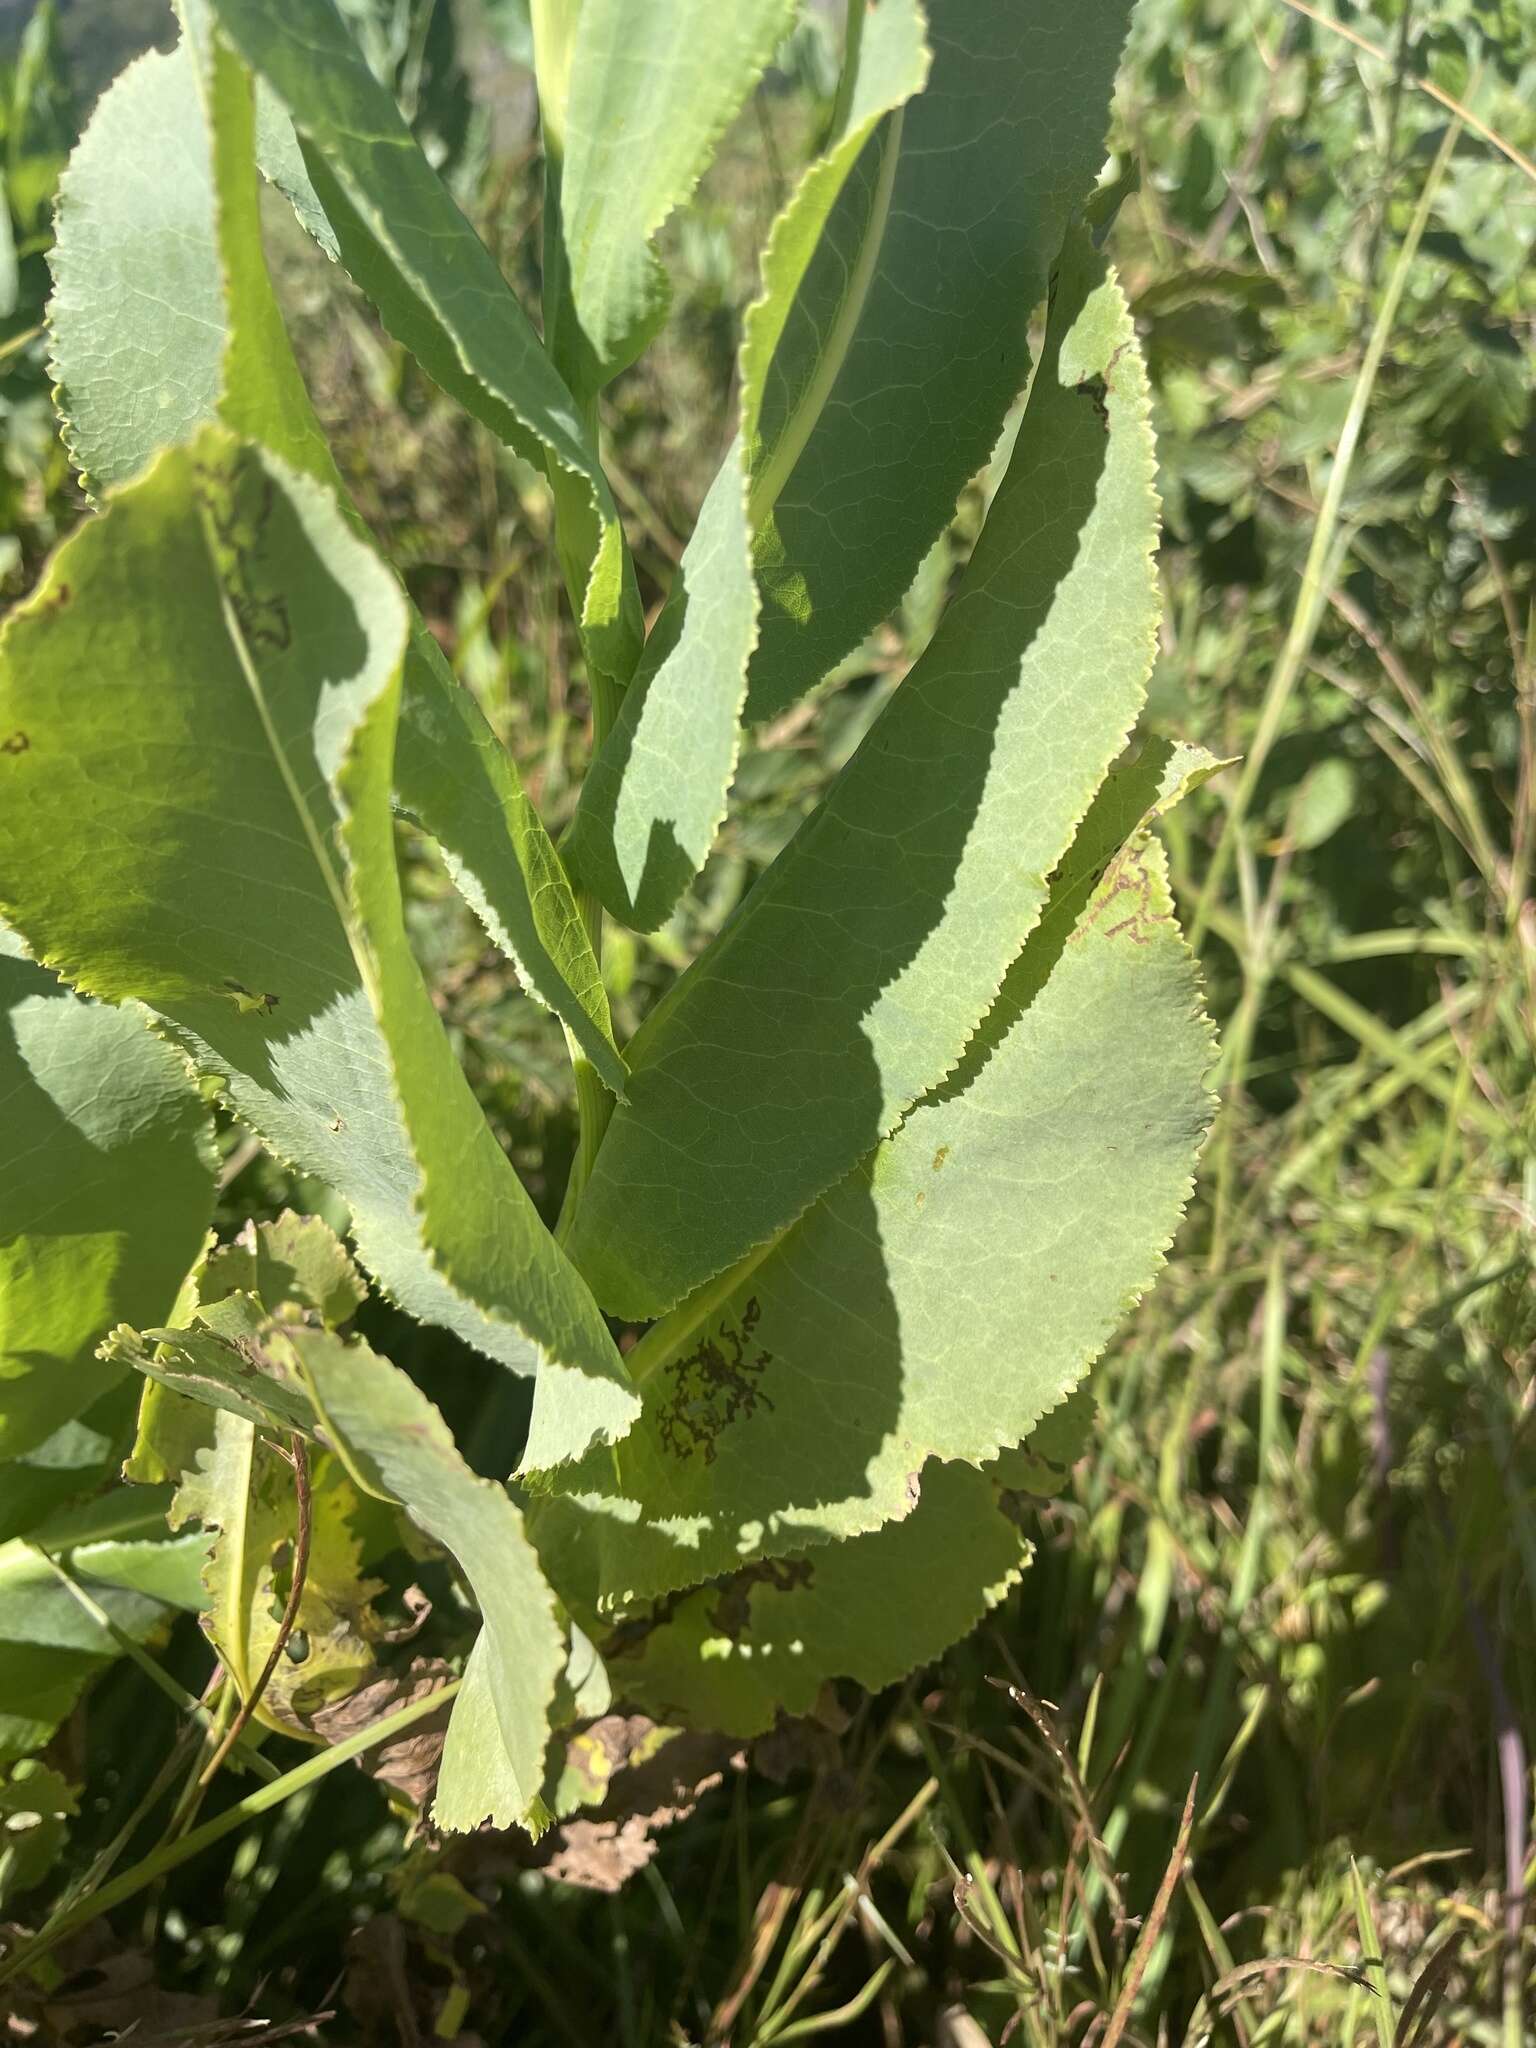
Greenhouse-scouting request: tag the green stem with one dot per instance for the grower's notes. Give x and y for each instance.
(177, 1694)
(848, 78)
(170, 1856)
(594, 1104)
(577, 531)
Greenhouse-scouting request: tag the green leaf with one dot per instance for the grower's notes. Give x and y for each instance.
(106, 1188)
(233, 1355)
(50, 1647)
(228, 1493)
(146, 180)
(950, 1291)
(242, 726)
(873, 1609)
(458, 782)
(906, 343)
(296, 1259)
(245, 1493)
(136, 320)
(395, 1444)
(436, 286)
(653, 85)
(76, 1461)
(483, 1778)
(655, 794)
(1042, 1464)
(893, 65)
(851, 978)
(36, 1805)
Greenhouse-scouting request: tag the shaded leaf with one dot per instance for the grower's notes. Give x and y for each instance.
(906, 344)
(655, 793)
(36, 1806)
(50, 1647)
(850, 979)
(949, 1292)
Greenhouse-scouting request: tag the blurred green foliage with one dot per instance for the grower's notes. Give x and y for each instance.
(1302, 1560)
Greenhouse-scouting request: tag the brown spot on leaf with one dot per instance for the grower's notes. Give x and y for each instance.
(14, 743)
(939, 1157)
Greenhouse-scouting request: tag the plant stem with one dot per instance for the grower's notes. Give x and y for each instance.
(170, 1855)
(848, 77)
(157, 1675)
(577, 532)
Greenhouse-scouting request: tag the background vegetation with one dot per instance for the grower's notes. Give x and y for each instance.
(1300, 1565)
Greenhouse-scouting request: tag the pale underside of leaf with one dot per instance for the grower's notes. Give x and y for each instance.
(136, 319)
(256, 642)
(399, 1445)
(849, 981)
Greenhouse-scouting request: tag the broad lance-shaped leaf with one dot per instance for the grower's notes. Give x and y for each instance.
(849, 981)
(207, 679)
(152, 217)
(652, 86)
(953, 1288)
(655, 794)
(871, 1609)
(905, 344)
(451, 773)
(106, 1188)
(395, 1444)
(436, 286)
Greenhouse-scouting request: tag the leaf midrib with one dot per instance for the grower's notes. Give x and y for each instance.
(789, 447)
(253, 683)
